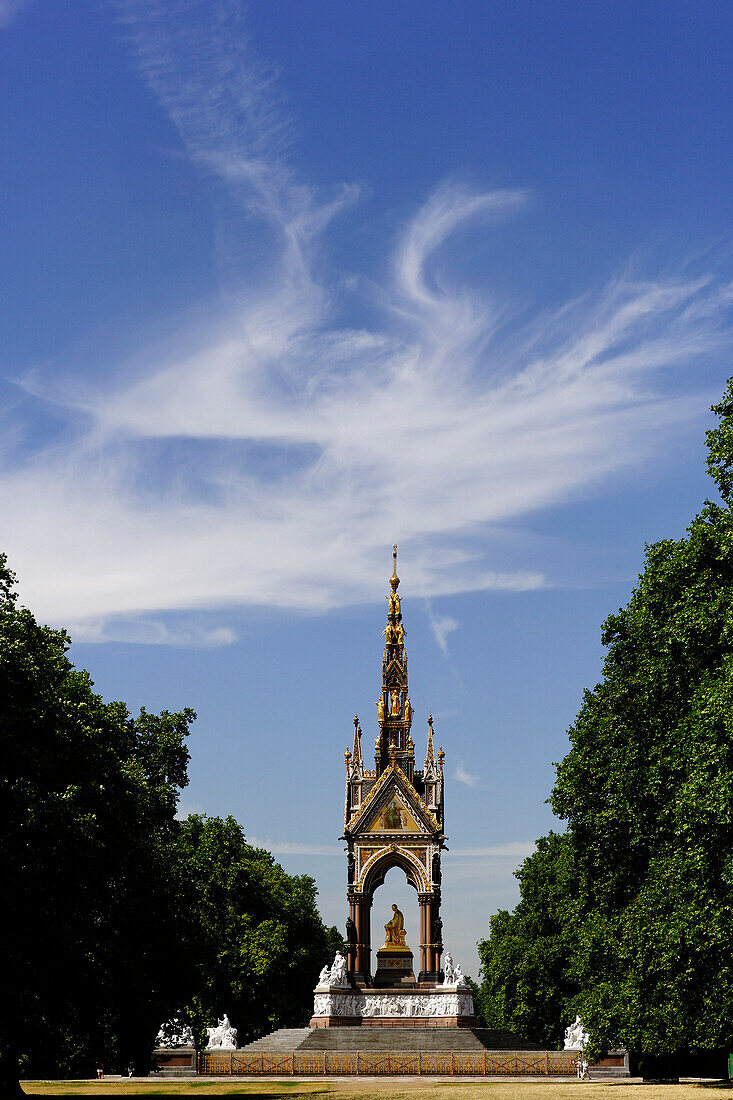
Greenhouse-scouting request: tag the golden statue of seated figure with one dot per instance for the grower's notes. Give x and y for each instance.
(395, 930)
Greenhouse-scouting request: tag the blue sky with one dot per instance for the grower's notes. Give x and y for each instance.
(283, 285)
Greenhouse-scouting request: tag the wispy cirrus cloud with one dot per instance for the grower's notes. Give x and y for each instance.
(267, 456)
(231, 118)
(441, 626)
(461, 775)
(492, 863)
(144, 631)
(296, 848)
(514, 849)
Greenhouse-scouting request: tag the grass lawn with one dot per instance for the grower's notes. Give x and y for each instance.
(395, 1088)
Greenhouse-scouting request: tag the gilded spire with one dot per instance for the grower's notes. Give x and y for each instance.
(393, 706)
(357, 741)
(430, 756)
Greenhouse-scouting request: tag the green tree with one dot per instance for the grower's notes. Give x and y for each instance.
(525, 987)
(256, 937)
(92, 880)
(647, 794)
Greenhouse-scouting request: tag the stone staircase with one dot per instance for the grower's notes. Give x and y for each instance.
(368, 1039)
(373, 1039)
(280, 1042)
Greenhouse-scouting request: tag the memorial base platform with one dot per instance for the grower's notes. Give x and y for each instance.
(389, 1051)
(411, 1007)
(396, 1051)
(175, 1061)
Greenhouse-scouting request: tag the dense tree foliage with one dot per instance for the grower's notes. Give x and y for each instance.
(114, 913)
(256, 935)
(87, 806)
(525, 987)
(628, 917)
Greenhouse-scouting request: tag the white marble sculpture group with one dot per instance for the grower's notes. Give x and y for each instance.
(223, 1036)
(334, 975)
(174, 1033)
(576, 1037)
(452, 972)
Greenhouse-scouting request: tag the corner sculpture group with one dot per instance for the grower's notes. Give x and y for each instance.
(223, 1036)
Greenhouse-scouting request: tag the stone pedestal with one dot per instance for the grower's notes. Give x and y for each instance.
(438, 1006)
(430, 977)
(394, 966)
(175, 1061)
(614, 1064)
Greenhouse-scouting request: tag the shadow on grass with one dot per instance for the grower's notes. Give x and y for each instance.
(292, 1089)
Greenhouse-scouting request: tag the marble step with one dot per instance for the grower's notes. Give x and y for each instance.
(413, 1038)
(282, 1041)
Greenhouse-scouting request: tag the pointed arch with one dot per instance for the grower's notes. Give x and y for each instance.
(378, 866)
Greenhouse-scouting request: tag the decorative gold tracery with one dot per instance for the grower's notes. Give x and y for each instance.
(387, 858)
(360, 811)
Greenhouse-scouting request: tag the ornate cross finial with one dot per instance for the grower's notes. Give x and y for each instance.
(394, 580)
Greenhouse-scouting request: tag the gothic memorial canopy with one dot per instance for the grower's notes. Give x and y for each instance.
(394, 818)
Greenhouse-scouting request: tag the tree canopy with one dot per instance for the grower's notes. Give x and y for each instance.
(257, 938)
(627, 918)
(116, 914)
(88, 797)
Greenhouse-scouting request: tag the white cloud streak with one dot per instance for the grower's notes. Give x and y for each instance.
(493, 863)
(143, 631)
(271, 457)
(296, 848)
(514, 849)
(462, 776)
(441, 626)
